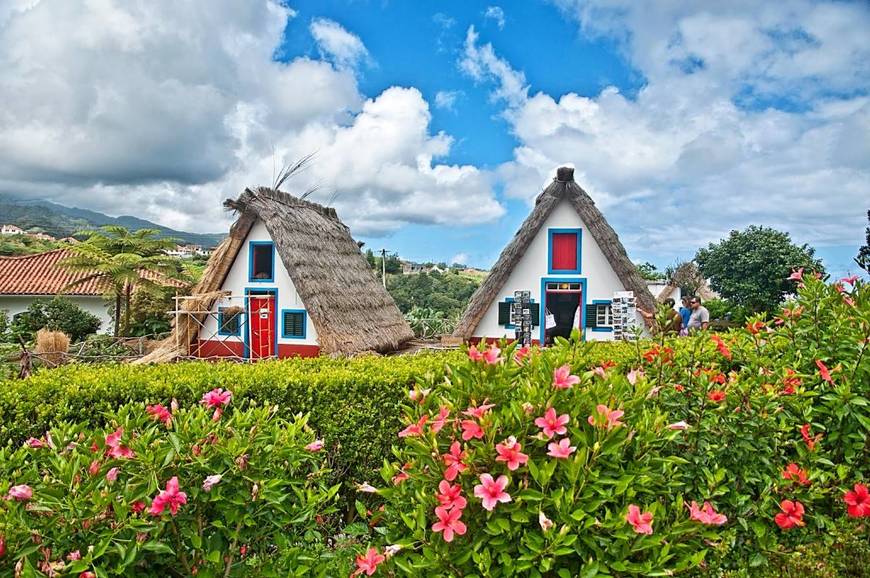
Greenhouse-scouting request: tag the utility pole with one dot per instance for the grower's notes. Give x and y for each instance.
(384, 267)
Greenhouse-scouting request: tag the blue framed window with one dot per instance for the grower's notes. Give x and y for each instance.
(261, 262)
(229, 321)
(564, 251)
(293, 323)
(602, 309)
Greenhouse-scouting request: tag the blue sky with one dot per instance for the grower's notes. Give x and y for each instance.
(435, 124)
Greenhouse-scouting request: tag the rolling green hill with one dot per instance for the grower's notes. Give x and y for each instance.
(60, 221)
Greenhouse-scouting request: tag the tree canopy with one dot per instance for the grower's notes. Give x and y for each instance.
(751, 267)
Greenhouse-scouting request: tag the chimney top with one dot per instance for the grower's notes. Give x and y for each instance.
(565, 174)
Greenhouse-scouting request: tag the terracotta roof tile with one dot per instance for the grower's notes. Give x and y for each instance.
(40, 275)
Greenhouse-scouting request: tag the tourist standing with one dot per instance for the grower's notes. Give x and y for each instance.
(700, 317)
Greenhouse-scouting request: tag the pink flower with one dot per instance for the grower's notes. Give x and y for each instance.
(492, 491)
(679, 425)
(478, 411)
(474, 354)
(402, 475)
(315, 446)
(22, 493)
(369, 563)
(217, 398)
(545, 522)
(366, 488)
(851, 279)
(509, 452)
(211, 481)
(562, 378)
(448, 522)
(169, 497)
(797, 275)
(521, 354)
(552, 425)
(824, 371)
(471, 429)
(73, 556)
(114, 448)
(492, 355)
(641, 522)
(600, 371)
(418, 395)
(415, 429)
(137, 507)
(439, 422)
(87, 574)
(561, 450)
(450, 496)
(112, 474)
(35, 443)
(706, 515)
(858, 502)
(611, 417)
(160, 413)
(453, 461)
(634, 375)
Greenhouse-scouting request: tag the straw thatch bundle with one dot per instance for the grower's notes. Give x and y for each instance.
(350, 309)
(52, 346)
(562, 187)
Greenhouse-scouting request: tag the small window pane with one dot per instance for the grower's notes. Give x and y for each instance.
(294, 324)
(604, 315)
(262, 262)
(230, 322)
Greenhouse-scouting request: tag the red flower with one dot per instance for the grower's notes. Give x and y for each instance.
(823, 371)
(169, 497)
(369, 563)
(509, 452)
(810, 441)
(797, 275)
(160, 413)
(453, 461)
(755, 327)
(791, 515)
(521, 354)
(450, 496)
(723, 349)
(641, 522)
(716, 396)
(858, 501)
(448, 522)
(471, 429)
(2, 546)
(491, 356)
(415, 429)
(137, 507)
(795, 473)
(87, 574)
(552, 425)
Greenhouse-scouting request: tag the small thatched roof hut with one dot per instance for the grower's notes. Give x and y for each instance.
(605, 252)
(349, 308)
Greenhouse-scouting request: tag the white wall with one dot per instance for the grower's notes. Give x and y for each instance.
(601, 280)
(237, 281)
(14, 304)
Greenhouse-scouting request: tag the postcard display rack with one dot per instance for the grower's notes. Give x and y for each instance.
(521, 316)
(625, 324)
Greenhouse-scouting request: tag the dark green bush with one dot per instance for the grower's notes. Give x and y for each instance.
(58, 314)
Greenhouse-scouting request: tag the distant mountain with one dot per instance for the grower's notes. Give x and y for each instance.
(60, 221)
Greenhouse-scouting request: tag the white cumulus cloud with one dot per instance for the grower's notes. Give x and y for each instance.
(344, 47)
(496, 14)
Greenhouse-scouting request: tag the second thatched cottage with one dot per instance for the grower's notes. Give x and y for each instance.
(573, 266)
(289, 280)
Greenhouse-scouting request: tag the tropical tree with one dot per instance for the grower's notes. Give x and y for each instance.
(863, 258)
(125, 262)
(751, 267)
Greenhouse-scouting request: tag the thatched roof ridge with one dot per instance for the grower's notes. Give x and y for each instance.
(562, 187)
(350, 309)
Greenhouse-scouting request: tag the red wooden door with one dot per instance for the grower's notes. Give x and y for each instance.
(262, 316)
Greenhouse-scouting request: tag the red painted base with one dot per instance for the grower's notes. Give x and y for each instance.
(216, 348)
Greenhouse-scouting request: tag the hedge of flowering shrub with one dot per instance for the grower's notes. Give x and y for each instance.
(167, 491)
(709, 452)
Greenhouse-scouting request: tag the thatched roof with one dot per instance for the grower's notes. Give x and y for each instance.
(562, 187)
(349, 307)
